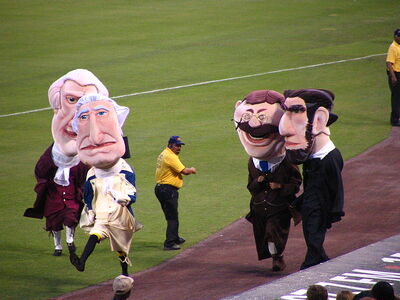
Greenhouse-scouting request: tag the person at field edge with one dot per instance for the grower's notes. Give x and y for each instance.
(169, 180)
(109, 189)
(304, 125)
(59, 173)
(393, 73)
(122, 287)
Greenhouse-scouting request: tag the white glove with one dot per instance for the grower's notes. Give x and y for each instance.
(121, 198)
(91, 216)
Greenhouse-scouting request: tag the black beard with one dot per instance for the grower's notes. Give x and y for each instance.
(263, 131)
(299, 156)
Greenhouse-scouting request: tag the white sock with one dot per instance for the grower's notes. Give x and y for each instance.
(272, 248)
(69, 234)
(57, 240)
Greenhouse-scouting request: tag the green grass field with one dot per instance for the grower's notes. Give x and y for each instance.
(139, 46)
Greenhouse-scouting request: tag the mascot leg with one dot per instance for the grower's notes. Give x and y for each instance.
(57, 243)
(79, 263)
(69, 236)
(123, 259)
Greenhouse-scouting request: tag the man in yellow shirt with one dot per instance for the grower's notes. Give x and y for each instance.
(393, 72)
(169, 180)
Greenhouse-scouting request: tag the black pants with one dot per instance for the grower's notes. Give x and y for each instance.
(314, 233)
(395, 98)
(168, 196)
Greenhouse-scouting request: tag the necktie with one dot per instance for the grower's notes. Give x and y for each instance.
(264, 166)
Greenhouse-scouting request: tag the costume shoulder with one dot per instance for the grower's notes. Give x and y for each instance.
(126, 166)
(90, 173)
(45, 164)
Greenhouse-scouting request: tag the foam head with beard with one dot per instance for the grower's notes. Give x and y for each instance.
(304, 125)
(257, 118)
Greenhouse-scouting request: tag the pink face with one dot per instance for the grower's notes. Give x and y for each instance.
(99, 139)
(293, 124)
(260, 136)
(61, 124)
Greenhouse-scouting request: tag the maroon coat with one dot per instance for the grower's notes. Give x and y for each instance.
(52, 197)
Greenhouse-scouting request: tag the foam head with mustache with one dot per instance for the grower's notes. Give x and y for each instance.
(98, 121)
(257, 119)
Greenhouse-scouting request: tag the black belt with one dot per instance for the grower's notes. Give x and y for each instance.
(166, 185)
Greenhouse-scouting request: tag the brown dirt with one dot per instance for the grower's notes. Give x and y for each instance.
(226, 264)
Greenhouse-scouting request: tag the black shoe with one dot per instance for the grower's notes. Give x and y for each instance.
(71, 247)
(173, 247)
(57, 252)
(396, 123)
(180, 241)
(74, 259)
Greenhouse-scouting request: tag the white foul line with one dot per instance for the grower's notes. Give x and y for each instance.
(214, 81)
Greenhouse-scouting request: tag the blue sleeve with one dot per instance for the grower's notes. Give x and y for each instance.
(88, 193)
(130, 176)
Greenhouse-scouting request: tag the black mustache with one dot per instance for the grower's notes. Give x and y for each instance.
(261, 131)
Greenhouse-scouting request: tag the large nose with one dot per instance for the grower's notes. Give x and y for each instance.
(95, 134)
(254, 121)
(285, 126)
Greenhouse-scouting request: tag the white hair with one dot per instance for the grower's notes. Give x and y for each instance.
(122, 111)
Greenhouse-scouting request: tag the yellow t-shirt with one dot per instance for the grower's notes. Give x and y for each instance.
(169, 168)
(393, 56)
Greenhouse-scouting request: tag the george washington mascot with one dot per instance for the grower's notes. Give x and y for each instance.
(109, 189)
(304, 125)
(272, 180)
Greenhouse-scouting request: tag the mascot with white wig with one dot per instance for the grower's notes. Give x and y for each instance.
(59, 173)
(109, 189)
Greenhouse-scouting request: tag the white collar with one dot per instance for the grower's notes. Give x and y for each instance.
(271, 165)
(324, 151)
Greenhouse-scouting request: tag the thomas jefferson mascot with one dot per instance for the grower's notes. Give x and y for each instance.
(272, 181)
(59, 173)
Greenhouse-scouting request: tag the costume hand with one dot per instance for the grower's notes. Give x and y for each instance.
(91, 216)
(119, 197)
(275, 185)
(261, 178)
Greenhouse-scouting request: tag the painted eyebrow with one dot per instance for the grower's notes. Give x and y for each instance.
(83, 111)
(101, 107)
(296, 108)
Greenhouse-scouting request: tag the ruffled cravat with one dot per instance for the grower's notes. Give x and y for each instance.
(64, 164)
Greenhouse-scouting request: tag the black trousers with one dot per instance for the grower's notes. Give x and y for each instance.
(395, 98)
(168, 196)
(314, 231)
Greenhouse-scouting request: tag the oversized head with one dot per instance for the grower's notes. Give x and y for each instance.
(257, 119)
(63, 95)
(304, 125)
(97, 122)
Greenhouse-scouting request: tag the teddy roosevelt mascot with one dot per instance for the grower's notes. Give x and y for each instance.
(304, 125)
(109, 189)
(59, 173)
(272, 180)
